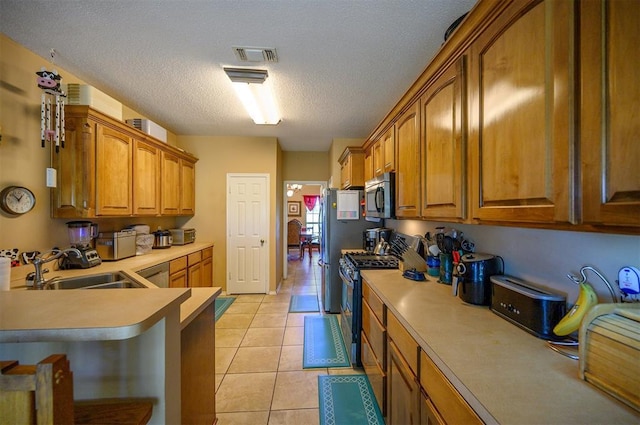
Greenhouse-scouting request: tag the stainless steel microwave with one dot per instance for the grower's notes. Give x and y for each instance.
(380, 194)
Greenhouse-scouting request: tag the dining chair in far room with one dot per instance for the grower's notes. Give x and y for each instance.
(294, 229)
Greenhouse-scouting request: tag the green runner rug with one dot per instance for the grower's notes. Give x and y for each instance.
(323, 346)
(303, 304)
(347, 400)
(221, 305)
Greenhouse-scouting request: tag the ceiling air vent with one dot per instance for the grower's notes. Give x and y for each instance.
(256, 54)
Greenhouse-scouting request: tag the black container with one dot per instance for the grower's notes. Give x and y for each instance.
(531, 308)
(474, 272)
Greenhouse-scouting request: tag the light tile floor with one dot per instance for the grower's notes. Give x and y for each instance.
(259, 374)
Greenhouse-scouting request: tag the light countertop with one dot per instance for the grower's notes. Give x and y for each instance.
(109, 314)
(506, 375)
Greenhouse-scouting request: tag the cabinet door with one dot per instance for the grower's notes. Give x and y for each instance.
(170, 195)
(408, 163)
(403, 391)
(610, 129)
(146, 179)
(389, 151)
(187, 187)
(207, 272)
(368, 164)
(428, 413)
(378, 158)
(443, 160)
(195, 276)
(178, 279)
(521, 115)
(114, 175)
(75, 186)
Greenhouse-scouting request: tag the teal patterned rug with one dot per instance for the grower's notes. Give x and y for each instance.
(221, 305)
(347, 400)
(323, 346)
(303, 304)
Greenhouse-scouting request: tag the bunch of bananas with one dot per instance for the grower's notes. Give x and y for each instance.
(587, 298)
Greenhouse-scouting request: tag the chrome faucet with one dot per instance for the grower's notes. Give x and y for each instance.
(39, 282)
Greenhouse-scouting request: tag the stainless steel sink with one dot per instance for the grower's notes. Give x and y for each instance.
(95, 281)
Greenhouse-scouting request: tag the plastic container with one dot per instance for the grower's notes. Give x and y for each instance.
(433, 266)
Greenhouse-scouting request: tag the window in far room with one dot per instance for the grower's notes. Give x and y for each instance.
(313, 220)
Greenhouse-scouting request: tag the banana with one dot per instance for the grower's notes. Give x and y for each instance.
(587, 298)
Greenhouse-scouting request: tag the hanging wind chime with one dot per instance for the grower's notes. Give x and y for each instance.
(51, 115)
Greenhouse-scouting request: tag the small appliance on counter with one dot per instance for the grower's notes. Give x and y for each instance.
(372, 237)
(81, 233)
(531, 308)
(113, 246)
(473, 273)
(162, 239)
(183, 236)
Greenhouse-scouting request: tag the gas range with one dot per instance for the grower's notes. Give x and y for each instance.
(351, 306)
(369, 260)
(352, 262)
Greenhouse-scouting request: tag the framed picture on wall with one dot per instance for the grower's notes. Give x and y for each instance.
(293, 208)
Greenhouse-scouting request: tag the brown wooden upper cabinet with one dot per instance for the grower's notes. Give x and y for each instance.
(351, 167)
(521, 113)
(368, 164)
(146, 178)
(407, 130)
(109, 169)
(443, 147)
(384, 153)
(610, 128)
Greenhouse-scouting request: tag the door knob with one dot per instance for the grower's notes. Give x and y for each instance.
(262, 242)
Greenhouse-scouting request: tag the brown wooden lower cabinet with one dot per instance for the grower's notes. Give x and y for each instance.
(403, 390)
(446, 399)
(428, 413)
(207, 267)
(377, 377)
(178, 273)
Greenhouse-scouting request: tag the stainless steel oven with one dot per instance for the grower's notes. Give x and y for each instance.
(351, 305)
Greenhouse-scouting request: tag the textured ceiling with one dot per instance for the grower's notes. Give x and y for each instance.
(342, 66)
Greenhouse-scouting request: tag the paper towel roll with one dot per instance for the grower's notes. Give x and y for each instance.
(5, 274)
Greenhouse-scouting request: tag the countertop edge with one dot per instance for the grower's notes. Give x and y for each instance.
(200, 299)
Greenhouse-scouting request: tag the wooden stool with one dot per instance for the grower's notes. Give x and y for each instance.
(42, 394)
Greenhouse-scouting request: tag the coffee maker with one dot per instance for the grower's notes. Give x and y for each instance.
(81, 233)
(371, 237)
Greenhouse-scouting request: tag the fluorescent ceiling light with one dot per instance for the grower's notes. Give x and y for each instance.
(254, 93)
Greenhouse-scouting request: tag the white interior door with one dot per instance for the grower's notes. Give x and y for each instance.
(247, 233)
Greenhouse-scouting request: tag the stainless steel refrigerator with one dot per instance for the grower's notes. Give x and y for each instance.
(338, 233)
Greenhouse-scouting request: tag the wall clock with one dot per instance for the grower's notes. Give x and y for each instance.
(17, 200)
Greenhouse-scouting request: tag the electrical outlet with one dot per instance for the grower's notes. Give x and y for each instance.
(51, 177)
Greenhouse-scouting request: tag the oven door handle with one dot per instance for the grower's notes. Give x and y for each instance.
(345, 278)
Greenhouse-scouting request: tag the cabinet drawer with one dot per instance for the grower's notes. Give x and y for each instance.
(449, 403)
(194, 258)
(377, 377)
(376, 333)
(407, 346)
(207, 253)
(376, 304)
(177, 264)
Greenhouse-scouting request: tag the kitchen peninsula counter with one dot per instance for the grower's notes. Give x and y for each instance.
(506, 375)
(133, 342)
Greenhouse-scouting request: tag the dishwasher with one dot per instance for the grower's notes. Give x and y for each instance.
(158, 274)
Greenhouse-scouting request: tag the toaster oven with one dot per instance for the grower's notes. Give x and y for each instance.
(183, 236)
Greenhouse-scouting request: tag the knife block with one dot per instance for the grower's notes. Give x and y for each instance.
(411, 260)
